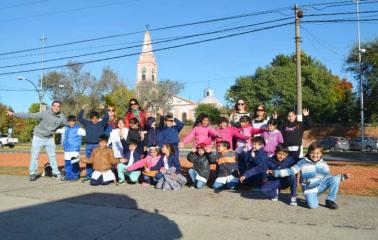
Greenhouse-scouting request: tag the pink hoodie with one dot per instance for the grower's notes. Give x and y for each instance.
(248, 131)
(227, 133)
(201, 134)
(272, 139)
(147, 162)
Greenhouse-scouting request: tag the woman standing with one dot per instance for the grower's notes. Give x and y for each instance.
(260, 118)
(135, 111)
(241, 110)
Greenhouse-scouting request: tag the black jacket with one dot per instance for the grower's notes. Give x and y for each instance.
(292, 132)
(201, 163)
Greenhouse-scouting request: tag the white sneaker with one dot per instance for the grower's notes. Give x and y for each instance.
(275, 199)
(293, 201)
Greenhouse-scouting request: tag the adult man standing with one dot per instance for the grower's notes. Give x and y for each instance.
(43, 136)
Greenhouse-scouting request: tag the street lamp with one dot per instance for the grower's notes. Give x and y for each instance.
(39, 92)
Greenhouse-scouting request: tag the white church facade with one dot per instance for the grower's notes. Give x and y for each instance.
(147, 70)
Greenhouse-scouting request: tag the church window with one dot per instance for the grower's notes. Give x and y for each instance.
(144, 74)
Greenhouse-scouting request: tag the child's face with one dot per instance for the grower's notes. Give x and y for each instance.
(121, 124)
(291, 117)
(243, 124)
(165, 150)
(71, 123)
(201, 152)
(169, 122)
(205, 122)
(132, 147)
(272, 127)
(281, 155)
(221, 148)
(316, 155)
(102, 143)
(223, 125)
(94, 120)
(133, 125)
(153, 153)
(256, 146)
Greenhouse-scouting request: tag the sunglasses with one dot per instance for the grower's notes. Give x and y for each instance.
(133, 103)
(110, 110)
(260, 110)
(240, 104)
(169, 120)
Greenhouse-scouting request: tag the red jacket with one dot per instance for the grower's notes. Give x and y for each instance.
(142, 115)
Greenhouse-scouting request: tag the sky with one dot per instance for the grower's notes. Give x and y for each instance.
(214, 64)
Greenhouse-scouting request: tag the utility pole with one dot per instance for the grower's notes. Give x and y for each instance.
(298, 15)
(42, 105)
(360, 51)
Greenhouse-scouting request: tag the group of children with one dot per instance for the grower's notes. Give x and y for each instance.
(256, 156)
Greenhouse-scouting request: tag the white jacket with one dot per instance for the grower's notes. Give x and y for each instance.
(115, 141)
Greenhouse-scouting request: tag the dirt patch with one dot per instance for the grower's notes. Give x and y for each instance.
(364, 180)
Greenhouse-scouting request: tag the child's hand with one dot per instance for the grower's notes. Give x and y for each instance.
(84, 106)
(305, 112)
(242, 178)
(269, 172)
(123, 160)
(194, 149)
(147, 170)
(347, 176)
(10, 114)
(162, 170)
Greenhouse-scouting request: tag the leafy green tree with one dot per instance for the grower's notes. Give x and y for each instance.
(119, 99)
(209, 109)
(369, 74)
(275, 86)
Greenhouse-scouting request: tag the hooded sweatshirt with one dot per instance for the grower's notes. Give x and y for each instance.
(49, 123)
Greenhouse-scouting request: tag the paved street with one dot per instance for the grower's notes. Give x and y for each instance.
(51, 209)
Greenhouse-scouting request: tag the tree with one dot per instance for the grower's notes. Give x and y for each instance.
(119, 99)
(76, 87)
(158, 96)
(275, 86)
(210, 110)
(369, 73)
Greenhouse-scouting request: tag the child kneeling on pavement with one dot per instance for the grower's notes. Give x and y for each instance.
(315, 177)
(227, 167)
(201, 158)
(102, 159)
(272, 186)
(131, 156)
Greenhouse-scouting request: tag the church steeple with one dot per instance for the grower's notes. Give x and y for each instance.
(146, 67)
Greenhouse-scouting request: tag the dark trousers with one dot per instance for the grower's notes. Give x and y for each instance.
(270, 187)
(99, 181)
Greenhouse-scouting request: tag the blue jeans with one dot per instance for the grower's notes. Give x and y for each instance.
(332, 183)
(72, 170)
(193, 174)
(49, 145)
(88, 152)
(228, 185)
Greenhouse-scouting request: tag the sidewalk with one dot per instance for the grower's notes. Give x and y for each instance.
(51, 209)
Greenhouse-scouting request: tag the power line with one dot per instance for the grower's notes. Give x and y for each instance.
(339, 13)
(157, 50)
(158, 42)
(22, 4)
(151, 30)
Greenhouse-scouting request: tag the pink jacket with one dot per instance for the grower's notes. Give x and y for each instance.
(147, 162)
(201, 134)
(272, 139)
(226, 134)
(249, 132)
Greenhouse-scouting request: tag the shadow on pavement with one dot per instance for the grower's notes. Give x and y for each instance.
(90, 216)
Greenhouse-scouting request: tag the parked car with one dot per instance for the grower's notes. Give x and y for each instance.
(333, 143)
(370, 144)
(7, 141)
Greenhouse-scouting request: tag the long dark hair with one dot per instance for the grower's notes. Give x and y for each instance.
(171, 148)
(245, 104)
(136, 101)
(257, 107)
(199, 118)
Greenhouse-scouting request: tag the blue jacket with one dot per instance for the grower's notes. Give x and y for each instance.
(258, 164)
(274, 164)
(311, 173)
(93, 131)
(151, 138)
(172, 162)
(170, 134)
(72, 139)
(137, 156)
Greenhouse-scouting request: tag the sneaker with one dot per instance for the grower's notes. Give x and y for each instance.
(86, 179)
(293, 201)
(275, 199)
(57, 176)
(32, 177)
(331, 204)
(121, 181)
